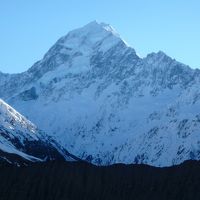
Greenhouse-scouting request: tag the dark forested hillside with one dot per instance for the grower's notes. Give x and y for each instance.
(75, 180)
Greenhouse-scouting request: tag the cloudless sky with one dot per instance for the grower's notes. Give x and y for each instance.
(28, 28)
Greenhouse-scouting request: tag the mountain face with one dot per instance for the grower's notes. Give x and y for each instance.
(22, 143)
(105, 104)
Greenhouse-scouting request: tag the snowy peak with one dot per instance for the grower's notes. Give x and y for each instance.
(90, 36)
(161, 61)
(94, 30)
(74, 52)
(95, 26)
(158, 57)
(103, 103)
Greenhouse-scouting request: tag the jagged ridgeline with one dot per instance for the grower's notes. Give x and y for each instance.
(104, 103)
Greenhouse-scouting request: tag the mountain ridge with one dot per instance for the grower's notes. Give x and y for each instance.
(107, 105)
(21, 142)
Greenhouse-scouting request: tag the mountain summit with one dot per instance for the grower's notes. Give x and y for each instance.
(103, 103)
(73, 53)
(91, 35)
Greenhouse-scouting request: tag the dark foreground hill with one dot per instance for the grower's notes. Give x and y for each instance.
(81, 181)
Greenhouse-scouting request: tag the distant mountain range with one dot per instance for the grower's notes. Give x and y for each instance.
(97, 99)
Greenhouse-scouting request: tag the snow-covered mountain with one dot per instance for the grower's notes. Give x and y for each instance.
(104, 103)
(21, 142)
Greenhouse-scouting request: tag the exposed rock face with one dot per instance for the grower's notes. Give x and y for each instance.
(103, 103)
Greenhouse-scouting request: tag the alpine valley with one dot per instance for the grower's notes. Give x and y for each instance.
(94, 97)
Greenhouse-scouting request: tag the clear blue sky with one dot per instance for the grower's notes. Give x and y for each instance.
(28, 28)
